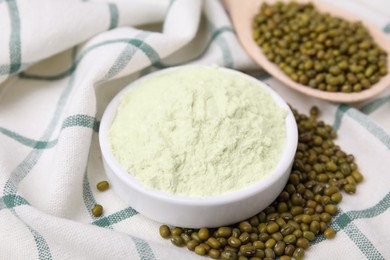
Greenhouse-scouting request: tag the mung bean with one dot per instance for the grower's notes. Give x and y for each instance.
(102, 186)
(97, 210)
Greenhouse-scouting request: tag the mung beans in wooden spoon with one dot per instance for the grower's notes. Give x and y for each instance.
(242, 14)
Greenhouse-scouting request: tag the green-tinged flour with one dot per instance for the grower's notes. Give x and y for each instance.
(198, 131)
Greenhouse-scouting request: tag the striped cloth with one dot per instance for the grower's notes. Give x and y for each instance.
(61, 62)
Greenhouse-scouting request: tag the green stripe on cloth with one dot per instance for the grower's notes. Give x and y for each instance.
(73, 54)
(71, 121)
(227, 55)
(343, 221)
(6, 68)
(114, 15)
(143, 249)
(150, 53)
(124, 58)
(373, 128)
(89, 200)
(386, 29)
(28, 163)
(15, 44)
(214, 36)
(43, 248)
(362, 242)
(115, 217)
(353, 232)
(367, 109)
(374, 105)
(377, 209)
(170, 5)
(141, 45)
(28, 141)
(263, 75)
(18, 174)
(81, 120)
(216, 33)
(340, 111)
(146, 49)
(23, 168)
(21, 171)
(11, 201)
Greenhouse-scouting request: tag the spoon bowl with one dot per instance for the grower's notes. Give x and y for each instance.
(242, 14)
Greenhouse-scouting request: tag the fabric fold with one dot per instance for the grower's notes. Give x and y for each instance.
(61, 62)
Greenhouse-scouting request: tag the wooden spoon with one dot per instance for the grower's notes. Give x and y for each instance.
(242, 14)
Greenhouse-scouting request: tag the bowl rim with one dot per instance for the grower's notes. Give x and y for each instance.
(283, 165)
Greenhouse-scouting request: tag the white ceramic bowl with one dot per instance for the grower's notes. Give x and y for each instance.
(196, 212)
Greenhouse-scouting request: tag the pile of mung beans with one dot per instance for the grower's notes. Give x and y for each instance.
(321, 174)
(318, 50)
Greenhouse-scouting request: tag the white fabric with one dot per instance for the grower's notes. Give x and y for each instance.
(61, 62)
